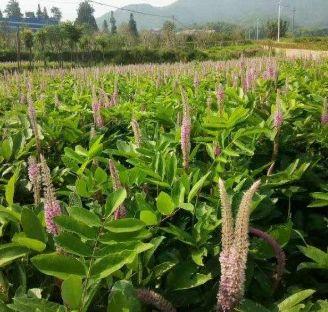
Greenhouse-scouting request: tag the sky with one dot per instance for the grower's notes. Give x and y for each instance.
(68, 7)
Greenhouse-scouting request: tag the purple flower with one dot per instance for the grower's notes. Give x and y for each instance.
(35, 178)
(98, 121)
(217, 150)
(51, 206)
(185, 132)
(235, 246)
(278, 117)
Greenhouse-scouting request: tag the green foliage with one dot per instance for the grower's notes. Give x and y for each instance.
(170, 239)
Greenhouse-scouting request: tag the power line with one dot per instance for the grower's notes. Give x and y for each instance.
(130, 10)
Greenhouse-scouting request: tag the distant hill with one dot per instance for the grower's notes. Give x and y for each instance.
(309, 13)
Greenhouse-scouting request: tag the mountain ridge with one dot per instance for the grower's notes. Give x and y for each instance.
(312, 13)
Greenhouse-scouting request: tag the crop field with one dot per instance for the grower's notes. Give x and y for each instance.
(184, 187)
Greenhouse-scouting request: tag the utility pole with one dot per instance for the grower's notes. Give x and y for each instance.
(257, 29)
(293, 22)
(18, 43)
(279, 18)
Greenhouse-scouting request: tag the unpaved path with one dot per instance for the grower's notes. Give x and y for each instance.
(301, 53)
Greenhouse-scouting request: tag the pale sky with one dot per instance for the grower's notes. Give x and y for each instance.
(68, 7)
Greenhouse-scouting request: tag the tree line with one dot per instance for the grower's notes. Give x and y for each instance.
(81, 38)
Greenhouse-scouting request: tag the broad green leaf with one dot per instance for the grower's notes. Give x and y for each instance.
(81, 187)
(148, 217)
(105, 266)
(9, 214)
(185, 276)
(133, 246)
(196, 188)
(32, 226)
(72, 243)
(250, 306)
(122, 298)
(34, 244)
(7, 148)
(11, 252)
(126, 225)
(287, 304)
(84, 215)
(25, 304)
(165, 204)
(60, 266)
(10, 188)
(71, 291)
(115, 200)
(71, 225)
(100, 176)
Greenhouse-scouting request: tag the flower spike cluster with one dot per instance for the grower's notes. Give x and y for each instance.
(35, 178)
(136, 132)
(150, 297)
(278, 118)
(324, 116)
(235, 245)
(51, 204)
(185, 131)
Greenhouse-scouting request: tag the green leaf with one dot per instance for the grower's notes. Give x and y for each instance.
(10, 188)
(84, 215)
(196, 188)
(7, 148)
(185, 276)
(287, 304)
(60, 266)
(251, 306)
(148, 217)
(72, 243)
(34, 244)
(25, 304)
(165, 204)
(71, 225)
(9, 214)
(122, 298)
(11, 252)
(71, 291)
(100, 176)
(126, 225)
(105, 266)
(32, 226)
(115, 200)
(82, 187)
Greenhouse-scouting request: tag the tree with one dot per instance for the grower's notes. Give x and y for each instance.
(72, 33)
(113, 27)
(85, 16)
(133, 26)
(27, 36)
(105, 27)
(56, 13)
(272, 28)
(13, 9)
(101, 41)
(168, 32)
(1, 16)
(41, 41)
(39, 12)
(29, 15)
(45, 13)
